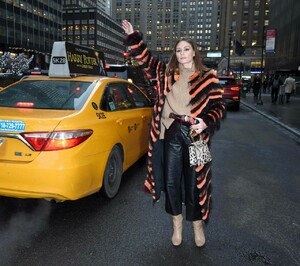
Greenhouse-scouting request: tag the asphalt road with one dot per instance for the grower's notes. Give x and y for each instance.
(255, 218)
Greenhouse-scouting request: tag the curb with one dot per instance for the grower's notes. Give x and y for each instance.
(290, 129)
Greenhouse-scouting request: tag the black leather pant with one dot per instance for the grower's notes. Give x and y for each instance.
(180, 178)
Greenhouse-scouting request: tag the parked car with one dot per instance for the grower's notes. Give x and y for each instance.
(231, 91)
(133, 74)
(66, 138)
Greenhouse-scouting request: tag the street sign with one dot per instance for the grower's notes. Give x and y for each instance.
(270, 40)
(217, 54)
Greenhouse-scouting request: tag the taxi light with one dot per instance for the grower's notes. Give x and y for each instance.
(235, 88)
(25, 104)
(57, 140)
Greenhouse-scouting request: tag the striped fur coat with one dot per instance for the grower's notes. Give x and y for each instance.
(206, 103)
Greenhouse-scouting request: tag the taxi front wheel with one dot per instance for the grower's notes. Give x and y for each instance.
(113, 174)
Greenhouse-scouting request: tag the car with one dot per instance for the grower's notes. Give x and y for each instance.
(231, 91)
(133, 74)
(64, 138)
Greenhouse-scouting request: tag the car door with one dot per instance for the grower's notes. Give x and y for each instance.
(122, 111)
(143, 110)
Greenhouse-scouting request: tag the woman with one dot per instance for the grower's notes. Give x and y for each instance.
(184, 87)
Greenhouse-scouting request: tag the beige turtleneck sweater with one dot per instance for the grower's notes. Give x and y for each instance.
(178, 99)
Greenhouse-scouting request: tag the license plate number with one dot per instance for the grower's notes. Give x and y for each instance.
(12, 125)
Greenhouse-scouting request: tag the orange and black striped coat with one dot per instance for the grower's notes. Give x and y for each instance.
(206, 103)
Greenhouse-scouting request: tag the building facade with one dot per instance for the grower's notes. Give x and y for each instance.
(218, 27)
(91, 27)
(285, 19)
(103, 5)
(243, 22)
(164, 22)
(30, 27)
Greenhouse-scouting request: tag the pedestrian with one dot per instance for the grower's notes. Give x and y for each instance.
(276, 83)
(289, 87)
(281, 94)
(270, 82)
(188, 89)
(265, 85)
(256, 85)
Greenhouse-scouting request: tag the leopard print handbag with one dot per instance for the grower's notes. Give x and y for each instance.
(199, 152)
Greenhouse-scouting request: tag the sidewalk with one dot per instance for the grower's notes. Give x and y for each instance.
(286, 115)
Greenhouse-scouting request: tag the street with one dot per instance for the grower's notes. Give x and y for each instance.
(255, 217)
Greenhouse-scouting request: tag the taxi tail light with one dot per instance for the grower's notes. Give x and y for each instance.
(235, 88)
(57, 140)
(25, 104)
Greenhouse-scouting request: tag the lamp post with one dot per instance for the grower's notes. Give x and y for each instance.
(229, 48)
(259, 100)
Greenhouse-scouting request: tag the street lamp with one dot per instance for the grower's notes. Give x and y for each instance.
(259, 100)
(229, 48)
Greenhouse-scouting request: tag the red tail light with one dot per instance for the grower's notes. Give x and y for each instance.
(57, 140)
(25, 104)
(235, 88)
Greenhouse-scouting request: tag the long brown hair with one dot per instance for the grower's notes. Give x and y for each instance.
(173, 62)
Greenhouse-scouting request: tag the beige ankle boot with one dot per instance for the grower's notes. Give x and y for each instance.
(177, 227)
(199, 233)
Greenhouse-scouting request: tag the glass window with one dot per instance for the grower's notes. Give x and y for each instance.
(46, 94)
(227, 81)
(116, 97)
(138, 98)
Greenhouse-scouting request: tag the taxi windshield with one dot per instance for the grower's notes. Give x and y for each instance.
(47, 94)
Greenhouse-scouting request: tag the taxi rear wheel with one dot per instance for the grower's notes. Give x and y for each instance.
(113, 174)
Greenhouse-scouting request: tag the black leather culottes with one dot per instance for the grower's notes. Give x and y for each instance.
(180, 178)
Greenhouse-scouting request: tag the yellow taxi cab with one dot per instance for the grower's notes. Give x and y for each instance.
(66, 137)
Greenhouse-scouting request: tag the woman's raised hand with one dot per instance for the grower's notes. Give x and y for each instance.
(127, 27)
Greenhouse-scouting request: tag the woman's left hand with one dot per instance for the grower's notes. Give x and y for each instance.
(200, 126)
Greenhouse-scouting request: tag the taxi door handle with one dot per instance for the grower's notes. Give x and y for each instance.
(119, 121)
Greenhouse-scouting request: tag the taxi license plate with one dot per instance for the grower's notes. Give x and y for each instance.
(12, 125)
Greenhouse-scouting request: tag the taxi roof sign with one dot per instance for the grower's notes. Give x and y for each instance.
(69, 59)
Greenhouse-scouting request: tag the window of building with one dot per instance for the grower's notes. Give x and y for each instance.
(246, 3)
